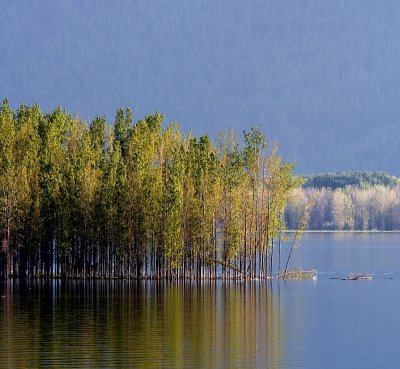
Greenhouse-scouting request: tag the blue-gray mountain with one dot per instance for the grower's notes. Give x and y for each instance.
(320, 77)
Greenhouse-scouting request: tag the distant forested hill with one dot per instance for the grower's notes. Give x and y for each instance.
(356, 179)
(322, 78)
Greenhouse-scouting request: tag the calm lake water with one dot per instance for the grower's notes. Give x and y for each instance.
(327, 323)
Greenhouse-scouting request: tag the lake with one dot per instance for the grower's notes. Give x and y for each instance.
(323, 323)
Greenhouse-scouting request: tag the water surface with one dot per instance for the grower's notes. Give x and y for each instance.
(326, 323)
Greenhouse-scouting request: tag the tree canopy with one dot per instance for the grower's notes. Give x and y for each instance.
(343, 179)
(135, 199)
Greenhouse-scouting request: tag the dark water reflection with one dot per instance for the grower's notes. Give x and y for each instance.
(296, 324)
(149, 325)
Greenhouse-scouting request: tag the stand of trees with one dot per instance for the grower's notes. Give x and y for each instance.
(349, 208)
(135, 200)
(356, 179)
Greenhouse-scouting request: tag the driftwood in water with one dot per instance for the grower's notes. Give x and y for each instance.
(355, 277)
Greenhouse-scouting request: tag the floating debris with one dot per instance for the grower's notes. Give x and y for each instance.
(355, 277)
(299, 274)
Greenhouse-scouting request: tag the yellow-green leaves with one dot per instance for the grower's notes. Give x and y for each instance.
(135, 199)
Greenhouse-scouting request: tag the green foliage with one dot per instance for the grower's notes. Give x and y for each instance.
(343, 179)
(134, 200)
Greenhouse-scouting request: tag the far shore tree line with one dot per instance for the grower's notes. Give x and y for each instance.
(135, 200)
(364, 208)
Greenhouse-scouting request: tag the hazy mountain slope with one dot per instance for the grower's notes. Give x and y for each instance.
(320, 77)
